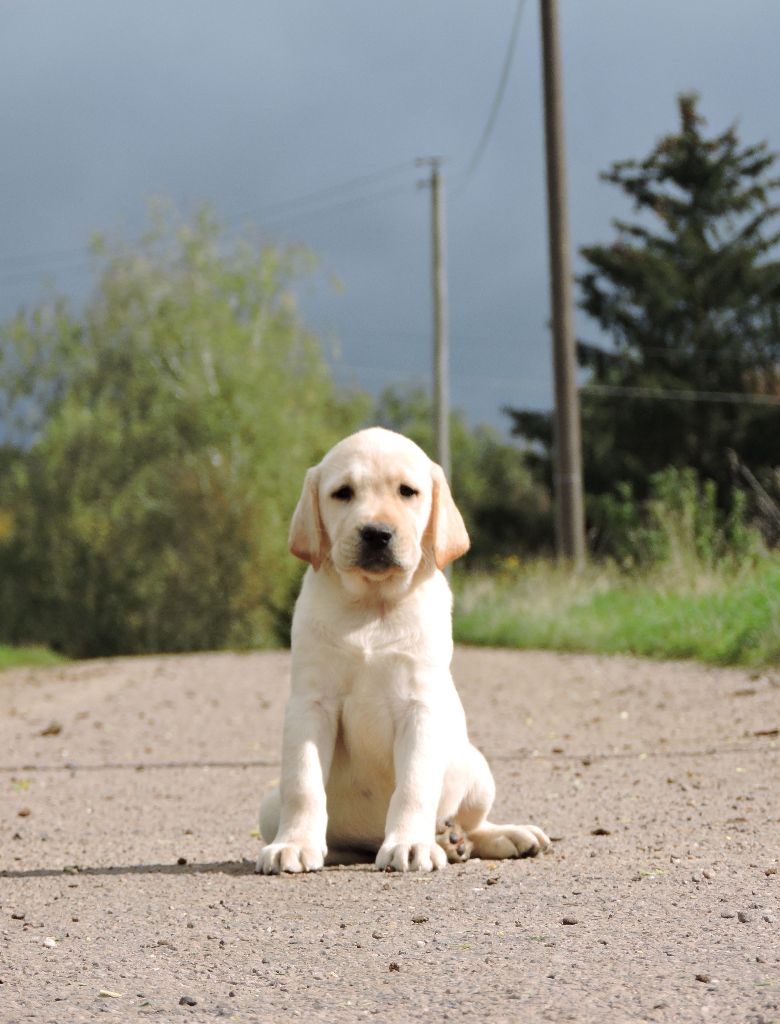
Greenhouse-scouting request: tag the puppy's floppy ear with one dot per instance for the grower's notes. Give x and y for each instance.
(446, 528)
(308, 539)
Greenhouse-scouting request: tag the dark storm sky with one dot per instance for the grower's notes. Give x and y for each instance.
(106, 103)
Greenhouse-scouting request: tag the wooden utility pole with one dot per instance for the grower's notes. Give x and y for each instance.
(567, 454)
(441, 354)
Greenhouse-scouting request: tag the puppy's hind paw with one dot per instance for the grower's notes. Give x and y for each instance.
(497, 842)
(453, 840)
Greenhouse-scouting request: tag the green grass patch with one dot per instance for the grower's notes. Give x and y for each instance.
(727, 617)
(16, 657)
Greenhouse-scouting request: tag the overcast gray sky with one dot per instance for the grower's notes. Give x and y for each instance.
(246, 104)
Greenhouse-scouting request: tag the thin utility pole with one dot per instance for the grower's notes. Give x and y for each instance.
(567, 455)
(441, 353)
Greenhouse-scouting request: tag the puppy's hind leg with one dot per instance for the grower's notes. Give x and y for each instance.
(491, 841)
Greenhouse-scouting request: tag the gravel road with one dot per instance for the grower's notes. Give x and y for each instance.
(130, 790)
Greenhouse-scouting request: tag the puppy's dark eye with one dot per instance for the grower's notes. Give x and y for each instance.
(406, 491)
(344, 493)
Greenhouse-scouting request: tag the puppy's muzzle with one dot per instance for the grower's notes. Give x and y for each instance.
(376, 547)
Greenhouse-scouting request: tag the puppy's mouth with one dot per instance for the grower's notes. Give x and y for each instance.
(375, 551)
(373, 564)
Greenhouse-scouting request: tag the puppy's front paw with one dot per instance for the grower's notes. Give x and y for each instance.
(453, 840)
(410, 857)
(278, 857)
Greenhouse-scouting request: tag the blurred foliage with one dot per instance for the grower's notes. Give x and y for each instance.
(678, 526)
(504, 509)
(154, 447)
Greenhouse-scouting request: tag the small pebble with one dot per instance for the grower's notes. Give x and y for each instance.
(703, 977)
(419, 919)
(769, 919)
(727, 913)
(569, 920)
(188, 1001)
(744, 917)
(17, 917)
(181, 861)
(393, 966)
(377, 935)
(49, 942)
(492, 880)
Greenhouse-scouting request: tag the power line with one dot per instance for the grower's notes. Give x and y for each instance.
(628, 358)
(282, 221)
(340, 191)
(317, 196)
(487, 131)
(681, 394)
(12, 276)
(9, 278)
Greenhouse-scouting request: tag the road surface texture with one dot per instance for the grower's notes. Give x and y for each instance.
(130, 790)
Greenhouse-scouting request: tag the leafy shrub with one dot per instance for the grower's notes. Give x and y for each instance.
(679, 525)
(154, 448)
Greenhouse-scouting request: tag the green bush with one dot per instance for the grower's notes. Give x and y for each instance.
(155, 446)
(679, 526)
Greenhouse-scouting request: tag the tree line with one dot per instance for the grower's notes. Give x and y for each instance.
(152, 444)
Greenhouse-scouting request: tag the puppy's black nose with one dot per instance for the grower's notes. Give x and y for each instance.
(376, 536)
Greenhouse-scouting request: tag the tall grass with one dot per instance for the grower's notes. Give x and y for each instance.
(685, 581)
(17, 657)
(725, 618)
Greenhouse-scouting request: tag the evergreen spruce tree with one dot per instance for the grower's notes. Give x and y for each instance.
(689, 296)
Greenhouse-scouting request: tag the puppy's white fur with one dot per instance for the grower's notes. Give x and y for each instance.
(375, 748)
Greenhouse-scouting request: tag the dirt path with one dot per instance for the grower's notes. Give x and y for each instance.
(130, 790)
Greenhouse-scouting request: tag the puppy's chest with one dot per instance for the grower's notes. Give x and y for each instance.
(366, 727)
(376, 687)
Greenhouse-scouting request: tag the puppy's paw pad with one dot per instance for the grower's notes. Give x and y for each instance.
(410, 857)
(453, 840)
(277, 858)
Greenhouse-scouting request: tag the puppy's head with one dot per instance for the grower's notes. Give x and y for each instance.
(378, 509)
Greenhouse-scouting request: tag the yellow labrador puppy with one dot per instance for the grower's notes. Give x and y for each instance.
(375, 752)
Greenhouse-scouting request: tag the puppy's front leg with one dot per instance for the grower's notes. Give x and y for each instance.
(307, 751)
(410, 829)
